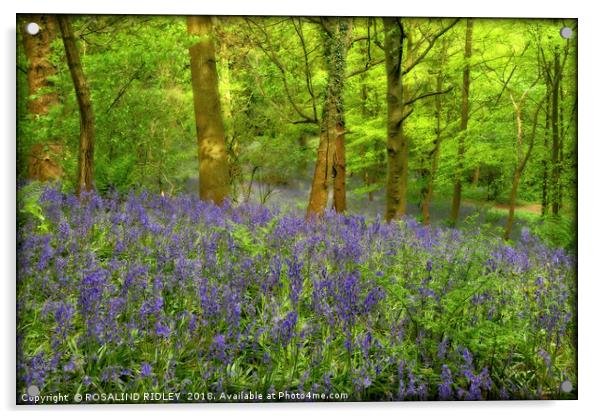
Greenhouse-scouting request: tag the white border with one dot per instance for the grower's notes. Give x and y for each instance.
(590, 210)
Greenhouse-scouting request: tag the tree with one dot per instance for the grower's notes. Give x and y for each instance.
(433, 155)
(555, 86)
(330, 160)
(455, 210)
(43, 157)
(398, 105)
(522, 157)
(85, 174)
(397, 148)
(544, 158)
(214, 177)
(38, 48)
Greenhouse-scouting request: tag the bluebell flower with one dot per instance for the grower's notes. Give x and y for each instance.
(445, 388)
(145, 370)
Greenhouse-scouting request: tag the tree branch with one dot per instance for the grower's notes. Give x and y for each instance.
(368, 66)
(406, 116)
(124, 88)
(430, 46)
(425, 95)
(272, 56)
(308, 80)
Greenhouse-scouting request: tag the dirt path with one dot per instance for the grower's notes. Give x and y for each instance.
(532, 208)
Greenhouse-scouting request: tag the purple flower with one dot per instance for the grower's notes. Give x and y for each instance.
(442, 349)
(162, 330)
(145, 370)
(445, 388)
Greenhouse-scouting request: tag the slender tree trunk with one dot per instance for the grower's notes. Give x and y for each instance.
(396, 147)
(555, 136)
(522, 159)
(405, 139)
(463, 124)
(368, 175)
(510, 221)
(560, 142)
(434, 154)
(214, 176)
(544, 185)
(330, 160)
(85, 170)
(369, 181)
(513, 193)
(476, 175)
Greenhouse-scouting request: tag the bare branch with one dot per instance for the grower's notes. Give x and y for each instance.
(430, 46)
(425, 95)
(269, 52)
(308, 80)
(369, 65)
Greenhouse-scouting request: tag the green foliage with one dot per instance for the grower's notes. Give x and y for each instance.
(276, 160)
(29, 207)
(557, 231)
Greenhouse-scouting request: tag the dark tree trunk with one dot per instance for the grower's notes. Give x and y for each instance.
(85, 172)
(433, 155)
(476, 175)
(555, 136)
(214, 176)
(396, 143)
(463, 124)
(368, 171)
(544, 184)
(561, 131)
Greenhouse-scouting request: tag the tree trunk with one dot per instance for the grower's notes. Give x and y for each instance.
(555, 136)
(396, 145)
(434, 154)
(339, 173)
(40, 69)
(214, 176)
(44, 159)
(560, 142)
(476, 175)
(330, 160)
(463, 124)
(339, 163)
(318, 196)
(226, 84)
(510, 221)
(85, 172)
(544, 185)
(368, 171)
(369, 181)
(522, 160)
(405, 139)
